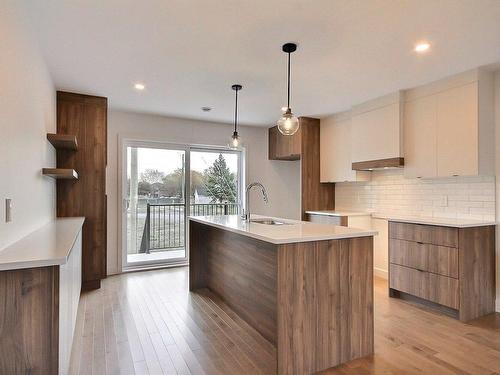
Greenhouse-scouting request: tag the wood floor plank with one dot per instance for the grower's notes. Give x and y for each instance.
(131, 330)
(149, 323)
(76, 349)
(111, 353)
(260, 360)
(182, 345)
(86, 355)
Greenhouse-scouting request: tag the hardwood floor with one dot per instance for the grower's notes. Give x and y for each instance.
(148, 323)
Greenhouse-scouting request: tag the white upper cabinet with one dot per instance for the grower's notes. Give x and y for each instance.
(420, 138)
(457, 131)
(335, 150)
(449, 127)
(376, 129)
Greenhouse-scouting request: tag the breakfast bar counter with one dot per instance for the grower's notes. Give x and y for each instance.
(306, 287)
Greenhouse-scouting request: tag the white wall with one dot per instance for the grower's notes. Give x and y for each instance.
(281, 178)
(27, 113)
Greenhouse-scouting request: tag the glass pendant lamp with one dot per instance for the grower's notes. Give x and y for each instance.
(235, 141)
(288, 124)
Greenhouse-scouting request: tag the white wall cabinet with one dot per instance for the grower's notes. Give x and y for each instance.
(376, 129)
(70, 282)
(327, 219)
(420, 138)
(449, 127)
(335, 150)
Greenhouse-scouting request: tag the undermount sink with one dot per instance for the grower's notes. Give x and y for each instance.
(267, 221)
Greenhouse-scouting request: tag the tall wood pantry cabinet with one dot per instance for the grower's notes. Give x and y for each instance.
(86, 117)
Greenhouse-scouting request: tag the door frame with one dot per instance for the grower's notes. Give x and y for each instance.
(123, 143)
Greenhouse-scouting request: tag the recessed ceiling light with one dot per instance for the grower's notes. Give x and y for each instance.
(139, 86)
(422, 47)
(206, 109)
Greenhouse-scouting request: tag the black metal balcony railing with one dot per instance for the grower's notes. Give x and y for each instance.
(164, 227)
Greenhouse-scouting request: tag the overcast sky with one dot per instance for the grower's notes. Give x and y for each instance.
(169, 160)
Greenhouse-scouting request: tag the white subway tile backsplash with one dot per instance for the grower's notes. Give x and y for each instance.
(389, 192)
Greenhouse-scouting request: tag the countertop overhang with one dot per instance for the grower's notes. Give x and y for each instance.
(338, 213)
(50, 245)
(292, 231)
(442, 222)
(438, 221)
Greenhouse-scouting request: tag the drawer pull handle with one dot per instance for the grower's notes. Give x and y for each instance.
(420, 242)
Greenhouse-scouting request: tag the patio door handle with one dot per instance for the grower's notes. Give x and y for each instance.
(124, 204)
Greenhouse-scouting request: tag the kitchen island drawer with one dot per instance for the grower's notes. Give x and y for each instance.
(436, 288)
(436, 235)
(437, 259)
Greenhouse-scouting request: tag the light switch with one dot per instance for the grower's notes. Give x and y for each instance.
(8, 210)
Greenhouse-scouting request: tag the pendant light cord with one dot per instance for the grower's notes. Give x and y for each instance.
(288, 103)
(236, 112)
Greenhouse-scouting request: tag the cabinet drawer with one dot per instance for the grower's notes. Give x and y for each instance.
(442, 260)
(436, 235)
(436, 288)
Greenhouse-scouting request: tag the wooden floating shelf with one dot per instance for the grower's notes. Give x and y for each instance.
(60, 173)
(63, 141)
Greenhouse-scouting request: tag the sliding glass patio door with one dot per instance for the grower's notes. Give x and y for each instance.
(158, 195)
(154, 203)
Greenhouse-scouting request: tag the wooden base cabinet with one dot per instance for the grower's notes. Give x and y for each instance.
(38, 308)
(453, 269)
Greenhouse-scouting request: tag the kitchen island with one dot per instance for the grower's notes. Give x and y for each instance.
(305, 287)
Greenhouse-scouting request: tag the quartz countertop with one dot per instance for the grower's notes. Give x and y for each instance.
(292, 231)
(454, 223)
(446, 222)
(48, 246)
(339, 213)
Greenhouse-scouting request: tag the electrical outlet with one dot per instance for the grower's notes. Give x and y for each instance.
(444, 201)
(8, 210)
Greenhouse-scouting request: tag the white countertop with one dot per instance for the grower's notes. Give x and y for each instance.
(338, 213)
(445, 222)
(454, 223)
(48, 246)
(292, 232)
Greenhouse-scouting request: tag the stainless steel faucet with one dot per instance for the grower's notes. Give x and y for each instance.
(246, 213)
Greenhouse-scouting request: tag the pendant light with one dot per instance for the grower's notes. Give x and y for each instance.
(288, 124)
(235, 139)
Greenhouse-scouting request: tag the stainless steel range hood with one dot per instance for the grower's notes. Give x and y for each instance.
(373, 165)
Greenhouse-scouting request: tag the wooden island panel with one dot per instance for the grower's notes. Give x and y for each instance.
(239, 269)
(325, 304)
(312, 300)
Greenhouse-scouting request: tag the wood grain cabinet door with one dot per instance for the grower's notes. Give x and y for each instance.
(283, 147)
(29, 331)
(86, 117)
(442, 260)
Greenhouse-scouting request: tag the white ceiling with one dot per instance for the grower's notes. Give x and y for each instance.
(189, 53)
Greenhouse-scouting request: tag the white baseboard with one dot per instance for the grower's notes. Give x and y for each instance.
(379, 272)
